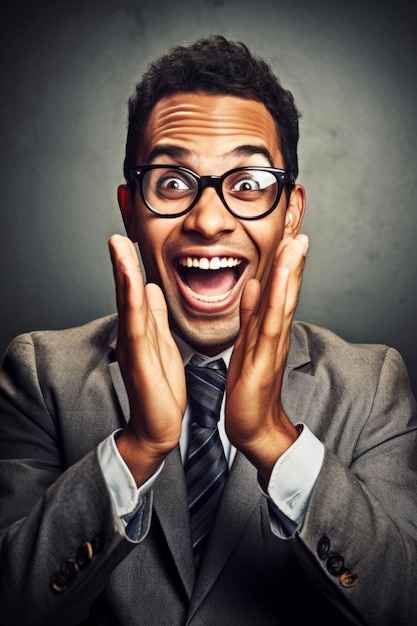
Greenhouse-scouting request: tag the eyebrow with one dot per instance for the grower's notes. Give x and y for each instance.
(177, 153)
(249, 150)
(168, 150)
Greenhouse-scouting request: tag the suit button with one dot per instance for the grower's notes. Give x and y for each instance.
(335, 563)
(69, 568)
(348, 578)
(84, 554)
(323, 547)
(58, 583)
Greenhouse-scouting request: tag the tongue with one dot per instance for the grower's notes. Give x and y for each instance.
(210, 282)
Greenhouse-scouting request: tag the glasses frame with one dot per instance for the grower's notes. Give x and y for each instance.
(282, 177)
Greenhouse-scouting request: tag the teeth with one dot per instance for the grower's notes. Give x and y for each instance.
(215, 263)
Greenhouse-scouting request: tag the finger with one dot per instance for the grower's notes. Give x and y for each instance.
(295, 264)
(280, 298)
(275, 292)
(157, 304)
(292, 256)
(271, 321)
(127, 275)
(249, 302)
(123, 256)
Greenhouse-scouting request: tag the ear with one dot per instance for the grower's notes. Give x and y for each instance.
(295, 211)
(125, 200)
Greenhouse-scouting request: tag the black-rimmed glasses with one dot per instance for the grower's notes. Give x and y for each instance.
(247, 192)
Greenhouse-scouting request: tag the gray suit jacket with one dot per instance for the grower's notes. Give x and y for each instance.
(64, 558)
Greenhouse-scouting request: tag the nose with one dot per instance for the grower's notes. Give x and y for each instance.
(209, 216)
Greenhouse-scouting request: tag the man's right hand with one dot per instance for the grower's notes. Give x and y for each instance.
(150, 364)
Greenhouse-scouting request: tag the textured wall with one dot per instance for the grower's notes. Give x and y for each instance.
(67, 70)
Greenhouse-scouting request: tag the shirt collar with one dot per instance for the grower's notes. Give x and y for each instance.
(187, 352)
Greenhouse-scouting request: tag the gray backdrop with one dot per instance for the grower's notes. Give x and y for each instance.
(67, 70)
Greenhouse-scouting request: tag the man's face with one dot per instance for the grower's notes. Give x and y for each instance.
(210, 135)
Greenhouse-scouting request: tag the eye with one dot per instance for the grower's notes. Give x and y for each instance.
(246, 184)
(174, 183)
(250, 184)
(169, 184)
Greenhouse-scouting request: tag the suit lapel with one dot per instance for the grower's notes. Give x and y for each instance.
(170, 504)
(299, 384)
(116, 376)
(240, 497)
(297, 394)
(120, 388)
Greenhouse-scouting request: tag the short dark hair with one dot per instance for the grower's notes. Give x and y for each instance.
(216, 66)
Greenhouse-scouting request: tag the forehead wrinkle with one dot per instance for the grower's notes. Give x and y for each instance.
(195, 129)
(201, 124)
(186, 114)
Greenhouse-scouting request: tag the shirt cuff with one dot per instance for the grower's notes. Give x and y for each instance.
(294, 475)
(126, 496)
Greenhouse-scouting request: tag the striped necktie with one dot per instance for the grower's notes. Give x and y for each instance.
(206, 466)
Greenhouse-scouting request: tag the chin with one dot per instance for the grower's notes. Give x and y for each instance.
(208, 337)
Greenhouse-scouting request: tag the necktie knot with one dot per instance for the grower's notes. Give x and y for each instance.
(205, 389)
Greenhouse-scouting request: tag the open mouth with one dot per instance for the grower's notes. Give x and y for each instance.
(210, 280)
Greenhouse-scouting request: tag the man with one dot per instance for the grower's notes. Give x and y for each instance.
(318, 514)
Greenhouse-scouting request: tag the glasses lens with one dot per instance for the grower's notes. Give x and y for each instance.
(250, 192)
(168, 190)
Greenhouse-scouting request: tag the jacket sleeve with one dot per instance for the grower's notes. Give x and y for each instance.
(358, 540)
(59, 536)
